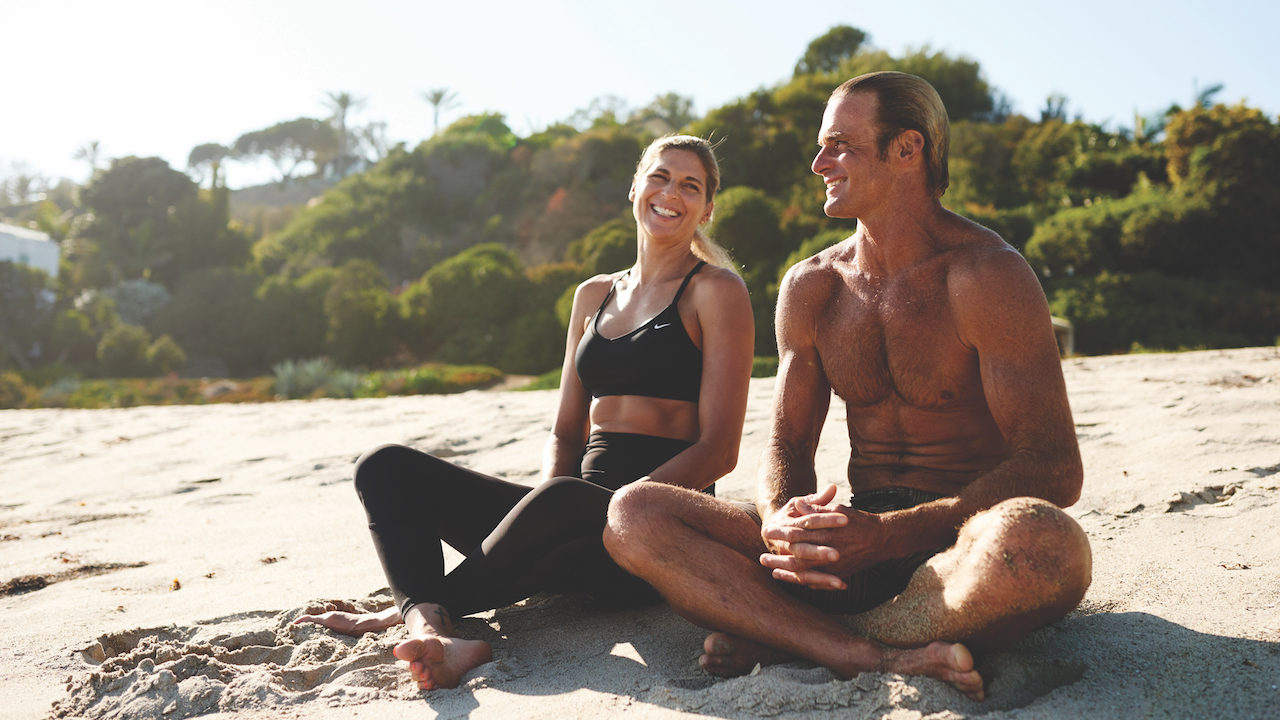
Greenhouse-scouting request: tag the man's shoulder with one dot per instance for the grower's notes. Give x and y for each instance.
(821, 266)
(979, 253)
(814, 277)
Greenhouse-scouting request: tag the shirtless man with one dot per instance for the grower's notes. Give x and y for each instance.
(936, 335)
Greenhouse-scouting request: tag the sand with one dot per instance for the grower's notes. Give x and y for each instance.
(154, 557)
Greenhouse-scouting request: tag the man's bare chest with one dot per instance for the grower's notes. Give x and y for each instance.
(897, 344)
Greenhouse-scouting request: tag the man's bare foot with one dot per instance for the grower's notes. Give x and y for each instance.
(951, 663)
(729, 655)
(440, 662)
(353, 623)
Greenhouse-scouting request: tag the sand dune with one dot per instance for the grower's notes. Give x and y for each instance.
(154, 557)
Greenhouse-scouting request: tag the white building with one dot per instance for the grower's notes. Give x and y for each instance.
(29, 247)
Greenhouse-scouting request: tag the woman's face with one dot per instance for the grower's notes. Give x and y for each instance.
(669, 196)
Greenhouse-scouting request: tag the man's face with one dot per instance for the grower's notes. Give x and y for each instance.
(848, 156)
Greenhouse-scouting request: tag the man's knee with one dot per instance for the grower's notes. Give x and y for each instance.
(635, 512)
(1037, 544)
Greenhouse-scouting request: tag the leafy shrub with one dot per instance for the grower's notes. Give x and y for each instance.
(14, 393)
(58, 393)
(549, 380)
(1113, 311)
(459, 310)
(164, 355)
(123, 351)
(358, 308)
(302, 378)
(137, 301)
(607, 248)
(432, 378)
(764, 367)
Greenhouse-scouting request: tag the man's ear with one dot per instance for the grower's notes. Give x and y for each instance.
(909, 144)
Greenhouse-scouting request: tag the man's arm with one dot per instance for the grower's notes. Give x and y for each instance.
(801, 395)
(1001, 312)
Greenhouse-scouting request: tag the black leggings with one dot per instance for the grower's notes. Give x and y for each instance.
(518, 540)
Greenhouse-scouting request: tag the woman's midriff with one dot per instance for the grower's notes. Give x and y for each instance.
(659, 417)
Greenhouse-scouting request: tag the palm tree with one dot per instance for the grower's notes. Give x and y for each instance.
(90, 152)
(440, 99)
(342, 103)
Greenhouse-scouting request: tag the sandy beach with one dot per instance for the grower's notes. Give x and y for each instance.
(154, 557)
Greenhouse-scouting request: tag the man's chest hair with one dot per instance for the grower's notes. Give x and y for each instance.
(896, 343)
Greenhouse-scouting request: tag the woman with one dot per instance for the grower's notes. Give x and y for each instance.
(653, 387)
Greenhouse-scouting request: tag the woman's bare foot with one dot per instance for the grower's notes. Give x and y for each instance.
(440, 662)
(729, 655)
(436, 658)
(951, 663)
(353, 623)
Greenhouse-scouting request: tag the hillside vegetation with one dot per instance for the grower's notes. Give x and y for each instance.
(466, 248)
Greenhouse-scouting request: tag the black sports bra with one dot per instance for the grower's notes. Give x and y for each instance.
(656, 359)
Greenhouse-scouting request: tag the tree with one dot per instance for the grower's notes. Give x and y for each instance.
(460, 309)
(209, 155)
(440, 99)
(746, 223)
(122, 352)
(218, 321)
(26, 312)
(133, 224)
(609, 247)
(358, 310)
(666, 114)
(91, 153)
(374, 136)
(292, 319)
(21, 185)
(342, 103)
(291, 144)
(826, 52)
(601, 112)
(1055, 108)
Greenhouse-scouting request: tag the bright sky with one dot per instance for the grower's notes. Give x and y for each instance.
(158, 77)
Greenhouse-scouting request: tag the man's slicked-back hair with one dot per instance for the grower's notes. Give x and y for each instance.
(908, 102)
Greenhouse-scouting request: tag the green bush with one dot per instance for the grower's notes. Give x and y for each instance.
(14, 393)
(122, 351)
(303, 378)
(432, 378)
(164, 355)
(1112, 312)
(549, 380)
(764, 367)
(359, 310)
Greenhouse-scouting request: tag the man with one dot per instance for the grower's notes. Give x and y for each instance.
(937, 336)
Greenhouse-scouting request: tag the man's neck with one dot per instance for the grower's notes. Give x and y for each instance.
(901, 237)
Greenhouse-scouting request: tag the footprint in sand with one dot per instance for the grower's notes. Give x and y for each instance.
(1211, 495)
(31, 583)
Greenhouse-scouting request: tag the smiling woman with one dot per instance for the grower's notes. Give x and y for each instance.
(653, 388)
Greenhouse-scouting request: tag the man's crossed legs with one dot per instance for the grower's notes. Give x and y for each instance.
(1013, 568)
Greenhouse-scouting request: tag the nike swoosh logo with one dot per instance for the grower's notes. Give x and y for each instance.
(659, 327)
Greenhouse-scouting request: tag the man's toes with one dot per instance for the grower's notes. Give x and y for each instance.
(717, 644)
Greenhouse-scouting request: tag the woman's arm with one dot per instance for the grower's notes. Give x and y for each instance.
(562, 455)
(728, 342)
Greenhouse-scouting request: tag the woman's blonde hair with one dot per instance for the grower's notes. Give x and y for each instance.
(703, 246)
